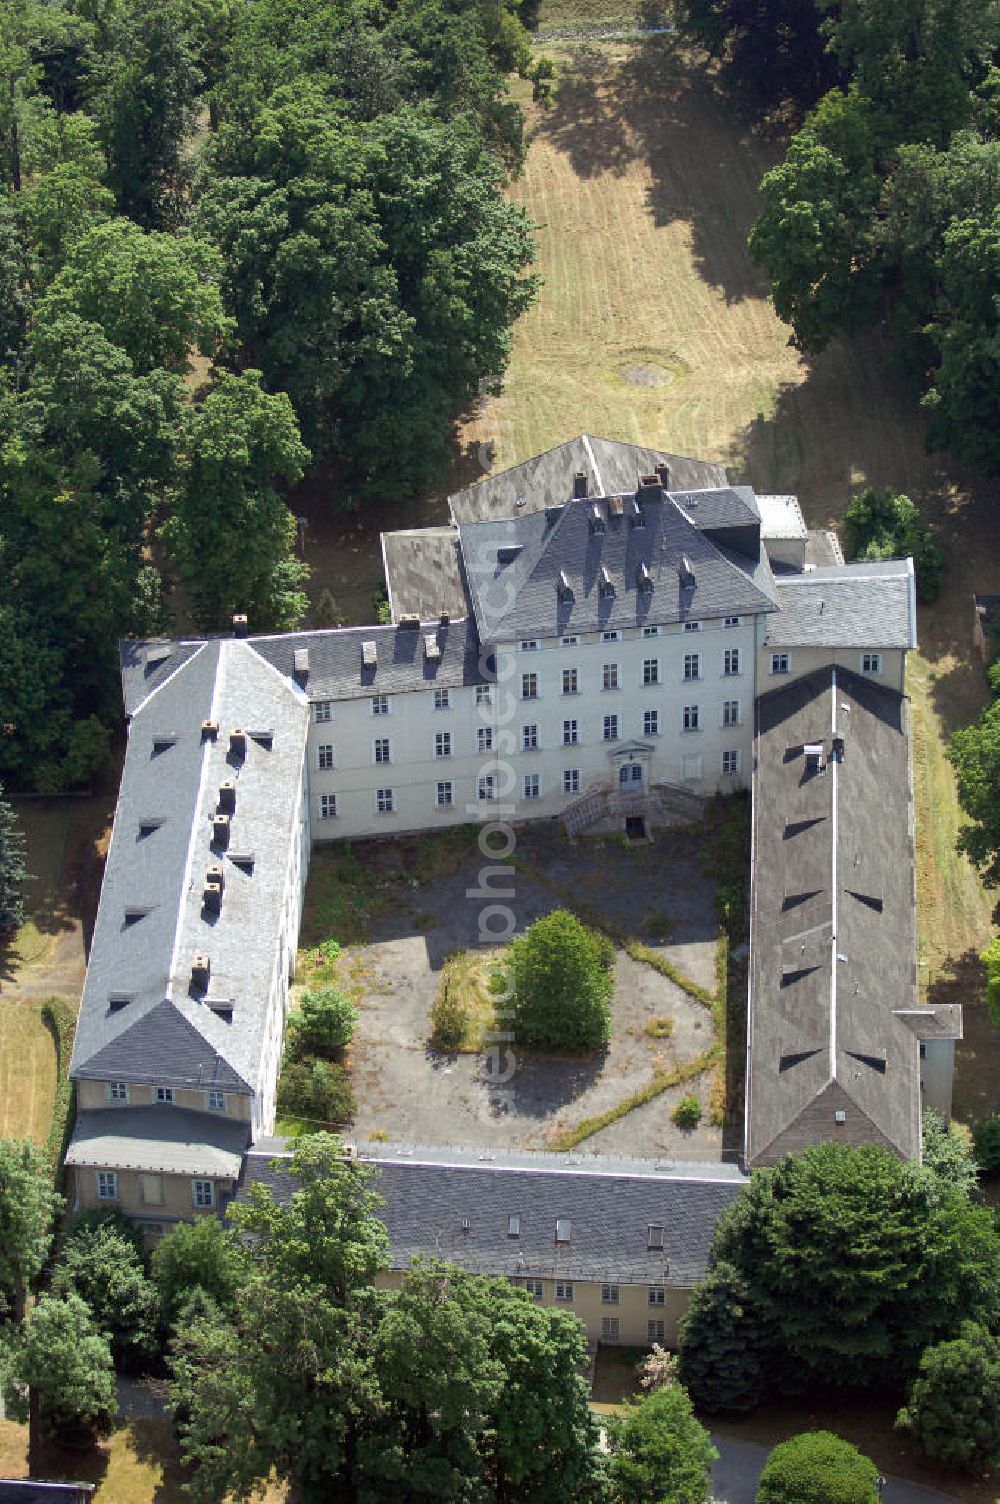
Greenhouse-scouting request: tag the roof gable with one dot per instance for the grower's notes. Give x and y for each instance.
(163, 1046)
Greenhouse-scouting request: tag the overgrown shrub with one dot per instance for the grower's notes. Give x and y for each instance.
(556, 981)
(953, 1408)
(60, 1020)
(447, 1019)
(887, 525)
(687, 1113)
(324, 1024)
(986, 1139)
(316, 1089)
(818, 1468)
(990, 958)
(101, 1265)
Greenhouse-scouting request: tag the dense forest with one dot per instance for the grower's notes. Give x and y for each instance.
(308, 195)
(886, 209)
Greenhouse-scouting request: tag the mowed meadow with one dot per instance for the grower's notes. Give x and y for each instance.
(654, 326)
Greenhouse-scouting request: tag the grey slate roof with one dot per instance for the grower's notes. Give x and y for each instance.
(832, 939)
(147, 663)
(140, 1020)
(610, 1212)
(163, 1139)
(545, 480)
(723, 506)
(522, 599)
(337, 672)
(423, 575)
(846, 606)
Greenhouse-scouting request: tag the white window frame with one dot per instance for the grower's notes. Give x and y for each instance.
(528, 645)
(164, 1095)
(442, 744)
(650, 723)
(535, 1288)
(324, 757)
(564, 1291)
(571, 733)
(731, 621)
(385, 801)
(442, 699)
(215, 1101)
(486, 788)
(871, 663)
(650, 631)
(328, 806)
(381, 705)
(117, 1091)
(532, 786)
(322, 711)
(529, 737)
(656, 1295)
(612, 727)
(378, 761)
(613, 635)
(484, 694)
(731, 713)
(691, 718)
(202, 1199)
(611, 1328)
(571, 681)
(692, 626)
(731, 663)
(484, 739)
(570, 642)
(733, 754)
(444, 793)
(107, 1184)
(610, 1295)
(529, 686)
(650, 671)
(655, 1329)
(781, 663)
(692, 667)
(571, 780)
(610, 678)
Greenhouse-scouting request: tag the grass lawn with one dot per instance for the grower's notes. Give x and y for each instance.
(465, 986)
(27, 1071)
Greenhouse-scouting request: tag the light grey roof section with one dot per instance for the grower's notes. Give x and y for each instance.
(823, 549)
(832, 939)
(851, 606)
(167, 1140)
(140, 1018)
(428, 1202)
(780, 517)
(422, 573)
(611, 467)
(524, 598)
(337, 670)
(147, 663)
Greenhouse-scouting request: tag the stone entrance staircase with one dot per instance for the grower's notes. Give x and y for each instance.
(606, 807)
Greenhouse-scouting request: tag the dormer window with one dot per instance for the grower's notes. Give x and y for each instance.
(514, 1226)
(654, 1235)
(564, 1229)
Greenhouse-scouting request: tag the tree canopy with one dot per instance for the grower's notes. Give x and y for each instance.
(13, 869)
(660, 1451)
(65, 1362)
(975, 755)
(555, 984)
(818, 1468)
(953, 1407)
(28, 1208)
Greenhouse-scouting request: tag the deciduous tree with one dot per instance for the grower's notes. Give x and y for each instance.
(28, 1208)
(975, 755)
(65, 1363)
(13, 869)
(555, 985)
(201, 1255)
(660, 1451)
(953, 1407)
(102, 1266)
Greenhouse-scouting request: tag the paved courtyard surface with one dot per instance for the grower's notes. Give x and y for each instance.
(660, 894)
(735, 1475)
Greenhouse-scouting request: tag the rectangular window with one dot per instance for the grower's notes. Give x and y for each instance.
(327, 806)
(650, 723)
(117, 1091)
(442, 699)
(216, 1101)
(529, 645)
(484, 694)
(385, 802)
(571, 781)
(380, 749)
(442, 744)
(731, 661)
(609, 676)
(151, 1229)
(730, 712)
(380, 704)
(487, 785)
(610, 1327)
(535, 1288)
(570, 733)
(609, 1295)
(484, 739)
(151, 1188)
(529, 738)
(692, 666)
(444, 794)
(654, 1330)
(570, 642)
(731, 763)
(532, 786)
(570, 681)
(324, 757)
(779, 663)
(657, 1295)
(692, 626)
(107, 1185)
(691, 769)
(323, 710)
(610, 728)
(651, 671)
(529, 686)
(611, 636)
(730, 621)
(654, 1235)
(650, 631)
(165, 1094)
(564, 1289)
(514, 1225)
(871, 663)
(690, 718)
(203, 1192)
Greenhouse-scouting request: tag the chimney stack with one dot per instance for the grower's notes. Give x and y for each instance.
(201, 970)
(240, 625)
(220, 831)
(238, 743)
(227, 796)
(579, 486)
(663, 471)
